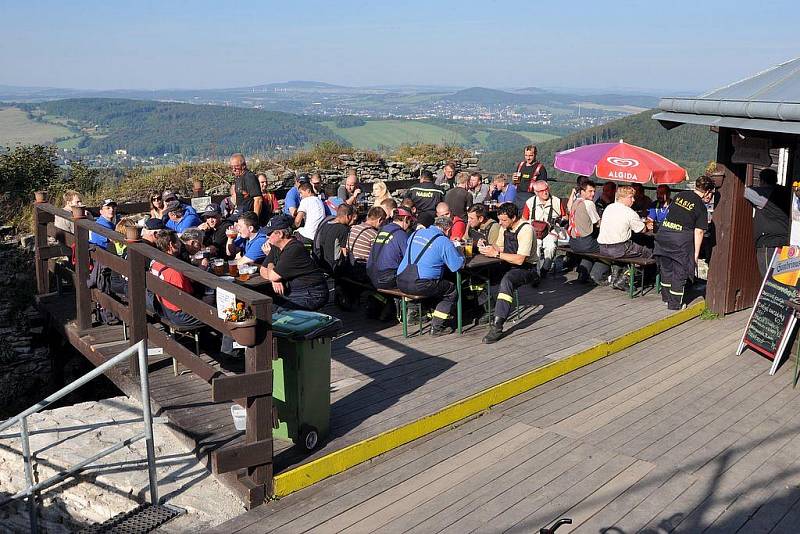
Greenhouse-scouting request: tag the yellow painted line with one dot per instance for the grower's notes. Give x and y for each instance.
(352, 455)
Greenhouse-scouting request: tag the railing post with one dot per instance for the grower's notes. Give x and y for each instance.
(147, 415)
(137, 300)
(26, 460)
(40, 220)
(83, 298)
(259, 409)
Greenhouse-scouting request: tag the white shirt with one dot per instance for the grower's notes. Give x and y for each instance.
(547, 211)
(314, 209)
(617, 224)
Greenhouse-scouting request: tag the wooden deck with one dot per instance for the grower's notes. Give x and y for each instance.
(381, 380)
(675, 433)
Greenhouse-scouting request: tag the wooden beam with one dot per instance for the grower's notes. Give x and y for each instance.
(114, 262)
(107, 301)
(186, 357)
(236, 457)
(259, 409)
(83, 298)
(239, 386)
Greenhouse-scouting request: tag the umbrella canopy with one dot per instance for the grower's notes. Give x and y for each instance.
(620, 162)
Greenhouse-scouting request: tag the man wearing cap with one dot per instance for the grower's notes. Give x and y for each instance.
(107, 219)
(215, 228)
(151, 228)
(170, 196)
(179, 218)
(248, 191)
(388, 249)
(292, 200)
(247, 246)
(297, 282)
(421, 272)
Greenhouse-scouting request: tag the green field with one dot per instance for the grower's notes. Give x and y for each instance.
(393, 133)
(16, 127)
(537, 137)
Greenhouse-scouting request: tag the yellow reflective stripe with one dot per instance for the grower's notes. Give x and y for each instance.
(507, 298)
(379, 297)
(440, 315)
(478, 287)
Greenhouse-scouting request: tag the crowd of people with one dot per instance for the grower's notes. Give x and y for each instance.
(414, 244)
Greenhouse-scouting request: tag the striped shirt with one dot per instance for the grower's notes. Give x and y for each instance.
(359, 243)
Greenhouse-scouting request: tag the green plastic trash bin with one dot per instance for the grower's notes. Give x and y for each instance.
(301, 390)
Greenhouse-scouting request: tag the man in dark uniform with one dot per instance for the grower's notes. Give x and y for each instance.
(388, 249)
(529, 170)
(215, 227)
(248, 190)
(516, 246)
(678, 241)
(426, 195)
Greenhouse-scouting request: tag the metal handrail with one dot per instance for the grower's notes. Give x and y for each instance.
(22, 418)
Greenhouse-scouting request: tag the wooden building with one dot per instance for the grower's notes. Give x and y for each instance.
(758, 125)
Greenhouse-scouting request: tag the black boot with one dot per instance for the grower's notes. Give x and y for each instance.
(495, 333)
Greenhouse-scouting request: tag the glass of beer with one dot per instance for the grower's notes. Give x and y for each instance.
(231, 232)
(468, 247)
(218, 266)
(233, 269)
(246, 272)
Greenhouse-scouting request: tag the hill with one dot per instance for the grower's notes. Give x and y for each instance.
(148, 128)
(532, 96)
(690, 146)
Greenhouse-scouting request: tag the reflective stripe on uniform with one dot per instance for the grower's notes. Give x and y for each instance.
(671, 292)
(505, 297)
(665, 284)
(440, 315)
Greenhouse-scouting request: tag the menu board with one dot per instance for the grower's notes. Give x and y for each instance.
(772, 321)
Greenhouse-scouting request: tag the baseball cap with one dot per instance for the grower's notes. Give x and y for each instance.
(108, 202)
(403, 212)
(303, 178)
(212, 210)
(154, 223)
(278, 222)
(169, 195)
(172, 206)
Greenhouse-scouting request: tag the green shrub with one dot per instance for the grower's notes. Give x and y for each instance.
(429, 153)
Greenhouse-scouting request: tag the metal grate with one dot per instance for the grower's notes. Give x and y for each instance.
(144, 518)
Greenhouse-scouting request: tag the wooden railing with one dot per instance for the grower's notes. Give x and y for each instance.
(252, 389)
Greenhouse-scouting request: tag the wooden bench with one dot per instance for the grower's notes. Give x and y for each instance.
(405, 298)
(633, 265)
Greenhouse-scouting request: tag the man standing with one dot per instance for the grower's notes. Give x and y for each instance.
(459, 227)
(616, 227)
(269, 200)
(448, 174)
(481, 226)
(545, 210)
(478, 189)
(459, 198)
(501, 191)
(309, 214)
(422, 270)
(680, 238)
(350, 191)
(426, 195)
(529, 171)
(248, 192)
(583, 220)
(107, 219)
(246, 247)
(771, 222)
(515, 247)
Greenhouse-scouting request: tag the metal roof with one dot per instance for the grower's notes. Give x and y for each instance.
(767, 101)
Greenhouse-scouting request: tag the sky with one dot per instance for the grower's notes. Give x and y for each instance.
(661, 47)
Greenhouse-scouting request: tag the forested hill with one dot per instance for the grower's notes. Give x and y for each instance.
(690, 146)
(147, 128)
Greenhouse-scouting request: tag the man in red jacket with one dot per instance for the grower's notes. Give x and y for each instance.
(459, 227)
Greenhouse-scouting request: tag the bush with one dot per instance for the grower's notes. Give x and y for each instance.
(349, 121)
(326, 155)
(23, 170)
(429, 153)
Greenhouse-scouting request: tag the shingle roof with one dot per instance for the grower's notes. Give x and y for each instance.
(769, 101)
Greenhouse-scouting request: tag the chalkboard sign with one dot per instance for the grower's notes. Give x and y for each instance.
(772, 321)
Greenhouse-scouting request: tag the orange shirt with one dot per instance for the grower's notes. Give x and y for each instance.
(173, 278)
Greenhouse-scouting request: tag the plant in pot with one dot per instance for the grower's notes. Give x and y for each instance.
(241, 324)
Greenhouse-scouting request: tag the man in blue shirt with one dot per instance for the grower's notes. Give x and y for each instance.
(179, 218)
(246, 248)
(422, 270)
(170, 196)
(292, 200)
(502, 191)
(388, 249)
(107, 219)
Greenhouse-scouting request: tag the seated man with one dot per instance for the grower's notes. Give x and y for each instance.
(247, 246)
(310, 213)
(515, 247)
(421, 272)
(459, 228)
(459, 198)
(388, 249)
(478, 189)
(543, 207)
(641, 202)
(215, 228)
(107, 219)
(359, 243)
(179, 218)
(616, 227)
(389, 205)
(659, 210)
(583, 220)
(502, 191)
(292, 200)
(481, 226)
(71, 199)
(297, 282)
(151, 228)
(167, 241)
(350, 192)
(330, 243)
(192, 240)
(170, 196)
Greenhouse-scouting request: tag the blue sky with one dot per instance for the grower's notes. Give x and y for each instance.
(660, 46)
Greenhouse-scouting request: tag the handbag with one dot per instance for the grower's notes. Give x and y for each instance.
(540, 228)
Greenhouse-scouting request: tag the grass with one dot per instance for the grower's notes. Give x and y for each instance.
(708, 315)
(537, 137)
(16, 127)
(393, 133)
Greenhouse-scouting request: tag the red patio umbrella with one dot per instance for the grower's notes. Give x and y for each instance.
(620, 162)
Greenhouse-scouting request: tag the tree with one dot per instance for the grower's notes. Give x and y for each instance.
(23, 170)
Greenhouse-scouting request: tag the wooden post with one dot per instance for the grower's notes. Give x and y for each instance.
(137, 300)
(83, 297)
(40, 220)
(259, 409)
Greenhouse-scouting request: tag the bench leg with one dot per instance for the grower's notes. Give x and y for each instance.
(631, 283)
(404, 315)
(459, 317)
(419, 314)
(658, 281)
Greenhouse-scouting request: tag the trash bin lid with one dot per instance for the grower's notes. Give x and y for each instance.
(300, 324)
